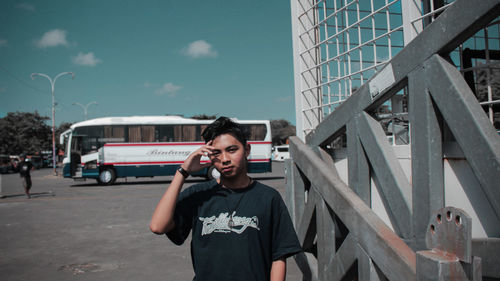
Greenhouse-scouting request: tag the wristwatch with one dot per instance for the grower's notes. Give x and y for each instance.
(183, 172)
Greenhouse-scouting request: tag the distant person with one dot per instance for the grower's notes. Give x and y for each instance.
(241, 228)
(24, 171)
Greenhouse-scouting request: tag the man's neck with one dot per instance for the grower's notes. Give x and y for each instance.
(237, 182)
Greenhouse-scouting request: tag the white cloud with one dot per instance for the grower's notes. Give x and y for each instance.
(168, 89)
(26, 6)
(52, 38)
(199, 49)
(2, 90)
(3, 42)
(147, 84)
(86, 59)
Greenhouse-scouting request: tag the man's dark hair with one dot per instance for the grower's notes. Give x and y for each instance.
(224, 125)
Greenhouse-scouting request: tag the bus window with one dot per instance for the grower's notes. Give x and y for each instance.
(76, 144)
(114, 134)
(89, 145)
(189, 133)
(178, 133)
(134, 133)
(202, 128)
(165, 133)
(257, 132)
(147, 133)
(89, 139)
(141, 133)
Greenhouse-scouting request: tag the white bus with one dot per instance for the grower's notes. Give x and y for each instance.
(145, 146)
(280, 152)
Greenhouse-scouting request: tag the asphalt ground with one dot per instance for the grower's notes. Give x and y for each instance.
(82, 231)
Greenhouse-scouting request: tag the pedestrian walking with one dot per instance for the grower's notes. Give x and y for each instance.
(241, 229)
(25, 167)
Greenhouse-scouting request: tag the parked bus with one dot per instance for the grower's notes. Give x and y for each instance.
(145, 146)
(280, 152)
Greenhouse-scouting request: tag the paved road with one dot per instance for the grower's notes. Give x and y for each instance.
(81, 231)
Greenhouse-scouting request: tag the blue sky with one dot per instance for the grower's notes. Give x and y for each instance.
(230, 58)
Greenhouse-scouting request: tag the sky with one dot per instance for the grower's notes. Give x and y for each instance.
(224, 58)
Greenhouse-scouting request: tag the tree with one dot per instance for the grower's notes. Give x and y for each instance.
(24, 132)
(204, 117)
(281, 130)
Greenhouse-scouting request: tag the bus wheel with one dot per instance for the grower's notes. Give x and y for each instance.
(107, 176)
(213, 173)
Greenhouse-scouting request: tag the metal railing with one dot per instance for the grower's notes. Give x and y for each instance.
(342, 237)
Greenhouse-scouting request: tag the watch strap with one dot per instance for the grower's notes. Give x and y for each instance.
(183, 172)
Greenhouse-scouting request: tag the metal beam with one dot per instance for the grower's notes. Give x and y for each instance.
(488, 249)
(427, 167)
(476, 136)
(295, 192)
(326, 239)
(308, 265)
(367, 270)
(358, 166)
(343, 259)
(307, 226)
(395, 259)
(387, 173)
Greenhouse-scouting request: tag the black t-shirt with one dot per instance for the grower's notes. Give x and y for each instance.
(262, 231)
(25, 168)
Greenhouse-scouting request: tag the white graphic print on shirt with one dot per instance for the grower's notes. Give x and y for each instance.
(220, 224)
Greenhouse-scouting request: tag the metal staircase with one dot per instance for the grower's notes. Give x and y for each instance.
(343, 235)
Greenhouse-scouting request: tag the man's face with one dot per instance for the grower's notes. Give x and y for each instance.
(229, 156)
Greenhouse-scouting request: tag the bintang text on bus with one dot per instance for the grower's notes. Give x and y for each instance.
(168, 152)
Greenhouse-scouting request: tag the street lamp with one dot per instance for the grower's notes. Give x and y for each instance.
(52, 84)
(85, 107)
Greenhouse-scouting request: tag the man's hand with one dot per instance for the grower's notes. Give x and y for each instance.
(192, 163)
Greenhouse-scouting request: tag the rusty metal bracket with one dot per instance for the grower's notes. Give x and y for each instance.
(449, 236)
(450, 231)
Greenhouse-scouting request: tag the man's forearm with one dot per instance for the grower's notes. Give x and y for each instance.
(278, 270)
(162, 219)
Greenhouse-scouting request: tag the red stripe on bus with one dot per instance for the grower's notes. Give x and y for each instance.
(170, 162)
(152, 163)
(154, 144)
(174, 143)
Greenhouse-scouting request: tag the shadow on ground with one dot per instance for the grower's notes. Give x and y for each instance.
(33, 195)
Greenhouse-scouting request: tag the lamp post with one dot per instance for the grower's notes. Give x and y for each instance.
(52, 84)
(85, 107)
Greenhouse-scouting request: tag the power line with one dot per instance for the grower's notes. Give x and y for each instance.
(21, 81)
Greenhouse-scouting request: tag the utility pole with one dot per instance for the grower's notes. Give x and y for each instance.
(52, 84)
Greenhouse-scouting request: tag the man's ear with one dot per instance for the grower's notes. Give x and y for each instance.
(247, 150)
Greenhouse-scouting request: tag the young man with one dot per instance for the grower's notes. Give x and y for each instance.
(241, 229)
(24, 171)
